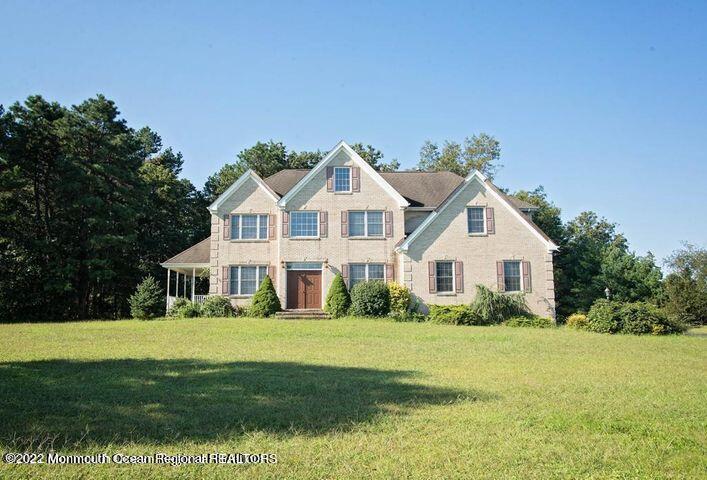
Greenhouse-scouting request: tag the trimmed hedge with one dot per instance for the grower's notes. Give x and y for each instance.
(370, 299)
(453, 315)
(534, 322)
(338, 300)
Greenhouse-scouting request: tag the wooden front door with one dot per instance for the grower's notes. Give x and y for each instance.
(304, 289)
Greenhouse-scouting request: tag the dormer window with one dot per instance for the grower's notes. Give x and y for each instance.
(342, 179)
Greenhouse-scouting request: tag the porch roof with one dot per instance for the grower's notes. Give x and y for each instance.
(194, 256)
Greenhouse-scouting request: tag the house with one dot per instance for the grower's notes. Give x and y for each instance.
(436, 232)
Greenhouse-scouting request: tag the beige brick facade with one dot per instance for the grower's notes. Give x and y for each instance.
(445, 238)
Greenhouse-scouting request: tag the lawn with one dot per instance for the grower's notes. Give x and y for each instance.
(355, 398)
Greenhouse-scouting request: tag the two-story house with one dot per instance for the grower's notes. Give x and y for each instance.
(436, 232)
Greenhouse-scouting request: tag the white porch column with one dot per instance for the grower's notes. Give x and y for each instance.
(185, 285)
(176, 285)
(168, 271)
(193, 282)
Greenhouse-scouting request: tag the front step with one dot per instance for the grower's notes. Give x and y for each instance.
(308, 314)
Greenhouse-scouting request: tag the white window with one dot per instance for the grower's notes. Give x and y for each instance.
(445, 276)
(249, 227)
(364, 272)
(304, 224)
(476, 223)
(244, 280)
(511, 276)
(342, 179)
(365, 224)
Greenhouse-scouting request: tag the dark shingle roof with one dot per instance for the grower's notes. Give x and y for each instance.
(421, 189)
(196, 254)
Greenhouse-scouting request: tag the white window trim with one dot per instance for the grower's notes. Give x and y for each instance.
(368, 264)
(257, 226)
(520, 270)
(350, 180)
(292, 223)
(453, 291)
(365, 224)
(258, 280)
(483, 217)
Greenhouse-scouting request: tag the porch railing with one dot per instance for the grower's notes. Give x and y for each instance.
(196, 299)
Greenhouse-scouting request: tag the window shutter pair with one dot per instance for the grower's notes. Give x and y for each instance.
(344, 224)
(323, 224)
(458, 276)
(225, 284)
(345, 273)
(285, 224)
(527, 281)
(490, 221)
(226, 227)
(388, 223)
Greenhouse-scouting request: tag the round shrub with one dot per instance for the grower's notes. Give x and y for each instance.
(265, 301)
(604, 317)
(178, 303)
(217, 306)
(370, 299)
(148, 300)
(532, 321)
(641, 318)
(399, 297)
(338, 299)
(578, 321)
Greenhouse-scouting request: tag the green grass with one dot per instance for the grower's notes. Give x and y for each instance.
(355, 398)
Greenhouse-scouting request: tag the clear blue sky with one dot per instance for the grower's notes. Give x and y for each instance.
(605, 104)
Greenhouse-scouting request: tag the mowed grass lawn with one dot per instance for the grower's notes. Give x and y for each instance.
(355, 398)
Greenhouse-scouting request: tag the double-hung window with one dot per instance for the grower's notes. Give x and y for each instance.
(364, 272)
(244, 280)
(366, 224)
(342, 179)
(249, 227)
(476, 223)
(304, 224)
(512, 276)
(444, 276)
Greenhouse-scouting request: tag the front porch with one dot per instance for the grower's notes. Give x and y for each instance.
(188, 274)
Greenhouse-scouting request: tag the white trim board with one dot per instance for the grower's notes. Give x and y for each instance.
(250, 174)
(478, 176)
(342, 145)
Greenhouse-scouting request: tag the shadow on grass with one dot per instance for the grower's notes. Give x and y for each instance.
(100, 402)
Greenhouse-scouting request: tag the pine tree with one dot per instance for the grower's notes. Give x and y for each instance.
(148, 300)
(265, 301)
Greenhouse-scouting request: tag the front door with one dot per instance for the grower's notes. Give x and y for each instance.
(304, 289)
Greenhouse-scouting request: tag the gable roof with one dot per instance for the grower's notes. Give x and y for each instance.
(249, 175)
(420, 189)
(196, 255)
(365, 166)
(501, 197)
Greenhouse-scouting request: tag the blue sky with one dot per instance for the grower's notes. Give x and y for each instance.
(605, 104)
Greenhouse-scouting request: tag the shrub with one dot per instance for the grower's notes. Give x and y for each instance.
(265, 301)
(399, 297)
(578, 321)
(534, 321)
(178, 303)
(338, 299)
(637, 318)
(148, 300)
(604, 317)
(492, 307)
(185, 309)
(453, 315)
(370, 299)
(408, 316)
(217, 306)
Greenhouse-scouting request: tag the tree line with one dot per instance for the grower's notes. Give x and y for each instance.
(89, 206)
